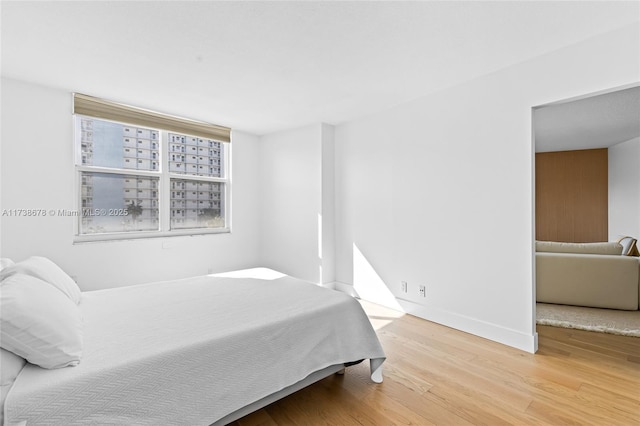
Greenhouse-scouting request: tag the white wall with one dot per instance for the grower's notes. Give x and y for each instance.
(296, 198)
(624, 190)
(38, 173)
(439, 191)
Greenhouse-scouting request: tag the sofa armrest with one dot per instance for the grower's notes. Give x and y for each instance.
(588, 280)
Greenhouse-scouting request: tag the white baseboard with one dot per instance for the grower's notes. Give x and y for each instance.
(345, 288)
(331, 285)
(516, 339)
(496, 333)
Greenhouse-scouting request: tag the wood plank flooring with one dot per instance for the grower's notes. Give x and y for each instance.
(435, 375)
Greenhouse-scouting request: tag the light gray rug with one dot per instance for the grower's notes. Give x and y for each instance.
(625, 323)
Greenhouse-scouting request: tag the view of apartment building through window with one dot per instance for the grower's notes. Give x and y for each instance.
(123, 172)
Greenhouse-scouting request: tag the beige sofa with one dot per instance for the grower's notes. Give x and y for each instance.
(587, 274)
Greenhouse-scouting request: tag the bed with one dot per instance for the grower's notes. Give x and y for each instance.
(198, 351)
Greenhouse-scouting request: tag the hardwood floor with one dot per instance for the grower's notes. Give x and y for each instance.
(435, 375)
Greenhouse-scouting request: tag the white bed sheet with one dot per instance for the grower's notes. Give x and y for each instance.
(192, 351)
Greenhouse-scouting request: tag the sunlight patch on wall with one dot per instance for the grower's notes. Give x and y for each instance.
(368, 283)
(319, 236)
(320, 277)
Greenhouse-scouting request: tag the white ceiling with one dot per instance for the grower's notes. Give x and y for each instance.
(261, 67)
(598, 121)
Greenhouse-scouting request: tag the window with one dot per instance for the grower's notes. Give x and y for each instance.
(138, 180)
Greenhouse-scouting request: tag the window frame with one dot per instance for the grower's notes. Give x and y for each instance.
(164, 176)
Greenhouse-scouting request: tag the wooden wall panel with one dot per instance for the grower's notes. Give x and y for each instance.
(572, 196)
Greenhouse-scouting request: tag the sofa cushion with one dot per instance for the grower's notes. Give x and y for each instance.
(588, 280)
(605, 248)
(629, 246)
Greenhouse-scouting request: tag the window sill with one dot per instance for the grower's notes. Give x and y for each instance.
(94, 238)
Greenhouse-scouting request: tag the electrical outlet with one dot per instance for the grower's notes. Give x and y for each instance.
(403, 286)
(423, 291)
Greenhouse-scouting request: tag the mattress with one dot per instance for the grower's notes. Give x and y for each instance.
(192, 351)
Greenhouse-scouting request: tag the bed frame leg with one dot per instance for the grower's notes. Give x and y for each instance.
(340, 372)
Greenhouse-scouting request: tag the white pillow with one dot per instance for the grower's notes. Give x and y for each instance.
(39, 323)
(5, 262)
(10, 366)
(46, 270)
